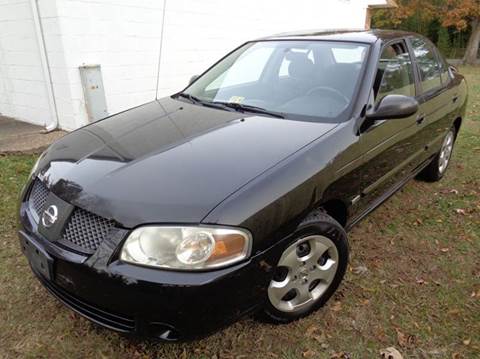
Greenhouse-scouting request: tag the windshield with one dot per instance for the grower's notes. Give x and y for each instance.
(306, 79)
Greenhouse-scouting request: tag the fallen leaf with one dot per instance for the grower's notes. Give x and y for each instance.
(460, 211)
(401, 338)
(340, 355)
(404, 339)
(309, 353)
(444, 250)
(337, 306)
(314, 333)
(360, 269)
(365, 302)
(453, 311)
(310, 330)
(454, 191)
(390, 353)
(467, 341)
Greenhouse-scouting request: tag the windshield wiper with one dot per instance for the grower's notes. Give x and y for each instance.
(192, 98)
(232, 105)
(249, 108)
(199, 101)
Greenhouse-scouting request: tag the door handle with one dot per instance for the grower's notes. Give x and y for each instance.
(420, 118)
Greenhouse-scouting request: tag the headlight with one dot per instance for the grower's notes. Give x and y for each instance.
(186, 248)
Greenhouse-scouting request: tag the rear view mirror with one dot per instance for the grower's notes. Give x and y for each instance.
(394, 106)
(193, 79)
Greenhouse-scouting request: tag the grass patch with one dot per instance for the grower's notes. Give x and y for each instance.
(421, 292)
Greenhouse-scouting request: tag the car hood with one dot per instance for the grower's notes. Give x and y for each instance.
(168, 161)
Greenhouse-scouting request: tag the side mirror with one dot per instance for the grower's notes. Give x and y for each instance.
(394, 106)
(453, 69)
(193, 79)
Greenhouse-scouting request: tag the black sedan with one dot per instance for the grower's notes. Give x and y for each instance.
(177, 217)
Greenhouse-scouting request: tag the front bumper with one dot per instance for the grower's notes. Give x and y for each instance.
(149, 302)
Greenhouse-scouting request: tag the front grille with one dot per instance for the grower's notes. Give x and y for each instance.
(86, 230)
(103, 317)
(83, 229)
(38, 196)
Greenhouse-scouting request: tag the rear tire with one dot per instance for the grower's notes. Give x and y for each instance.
(309, 270)
(437, 168)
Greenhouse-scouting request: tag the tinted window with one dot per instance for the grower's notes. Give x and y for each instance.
(395, 73)
(444, 71)
(427, 64)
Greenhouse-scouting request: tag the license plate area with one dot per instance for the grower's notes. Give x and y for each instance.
(38, 258)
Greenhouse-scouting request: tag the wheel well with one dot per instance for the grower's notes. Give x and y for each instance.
(337, 210)
(457, 123)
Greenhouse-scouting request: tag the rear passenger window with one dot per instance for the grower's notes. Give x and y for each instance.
(395, 73)
(428, 65)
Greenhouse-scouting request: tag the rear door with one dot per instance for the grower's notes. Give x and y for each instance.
(437, 97)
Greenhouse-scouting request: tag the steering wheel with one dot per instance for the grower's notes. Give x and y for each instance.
(330, 91)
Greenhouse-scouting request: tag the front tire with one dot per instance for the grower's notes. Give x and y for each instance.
(309, 270)
(437, 168)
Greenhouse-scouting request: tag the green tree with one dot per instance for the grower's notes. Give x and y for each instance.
(463, 14)
(443, 42)
(420, 15)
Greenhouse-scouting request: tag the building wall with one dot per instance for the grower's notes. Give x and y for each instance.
(198, 33)
(124, 37)
(22, 87)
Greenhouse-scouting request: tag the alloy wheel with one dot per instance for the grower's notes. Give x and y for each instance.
(446, 152)
(304, 272)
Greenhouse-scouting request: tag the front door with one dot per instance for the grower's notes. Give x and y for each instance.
(387, 145)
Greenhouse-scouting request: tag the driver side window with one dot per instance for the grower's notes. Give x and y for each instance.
(395, 73)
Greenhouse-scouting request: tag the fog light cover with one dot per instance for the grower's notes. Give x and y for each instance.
(186, 248)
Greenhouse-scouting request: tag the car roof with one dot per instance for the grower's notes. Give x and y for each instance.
(366, 36)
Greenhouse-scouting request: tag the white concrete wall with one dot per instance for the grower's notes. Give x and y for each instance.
(198, 33)
(124, 37)
(22, 87)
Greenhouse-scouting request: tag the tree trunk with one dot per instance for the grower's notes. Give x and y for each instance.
(473, 43)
